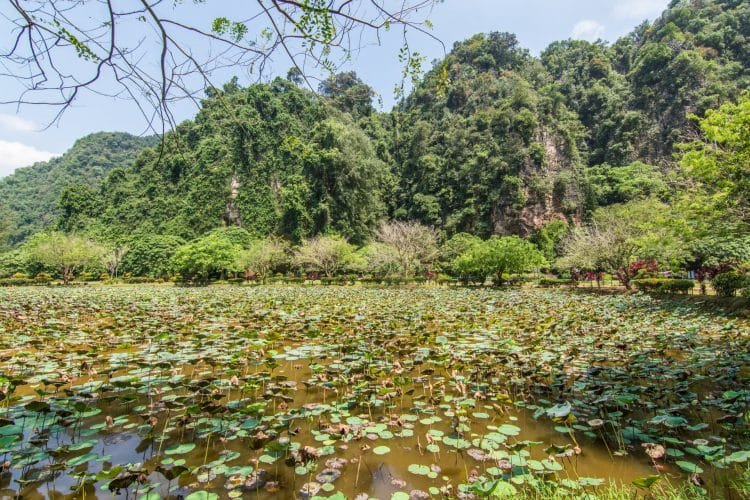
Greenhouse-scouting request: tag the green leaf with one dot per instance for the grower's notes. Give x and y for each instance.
(689, 467)
(503, 489)
(180, 449)
(646, 482)
(509, 430)
(561, 410)
(202, 495)
(9, 430)
(82, 459)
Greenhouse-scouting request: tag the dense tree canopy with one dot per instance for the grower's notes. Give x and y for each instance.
(287, 164)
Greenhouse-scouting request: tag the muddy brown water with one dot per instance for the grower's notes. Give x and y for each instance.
(377, 476)
(315, 349)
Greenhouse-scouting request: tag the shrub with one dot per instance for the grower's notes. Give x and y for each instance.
(43, 278)
(134, 280)
(16, 282)
(547, 282)
(727, 284)
(664, 285)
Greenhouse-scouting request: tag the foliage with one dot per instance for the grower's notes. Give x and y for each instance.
(472, 158)
(719, 161)
(616, 362)
(622, 234)
(549, 239)
(493, 141)
(455, 246)
(273, 153)
(729, 283)
(611, 184)
(113, 258)
(325, 254)
(263, 256)
(348, 93)
(381, 260)
(663, 285)
(201, 259)
(68, 254)
(720, 250)
(552, 282)
(498, 256)
(12, 262)
(236, 235)
(150, 255)
(6, 226)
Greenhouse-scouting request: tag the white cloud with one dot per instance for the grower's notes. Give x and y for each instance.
(587, 29)
(17, 154)
(639, 9)
(15, 123)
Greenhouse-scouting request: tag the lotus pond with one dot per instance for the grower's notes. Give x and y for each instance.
(353, 392)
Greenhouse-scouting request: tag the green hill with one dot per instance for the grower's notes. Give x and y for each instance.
(31, 194)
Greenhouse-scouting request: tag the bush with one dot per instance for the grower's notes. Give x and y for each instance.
(727, 284)
(16, 282)
(134, 280)
(547, 282)
(43, 278)
(664, 285)
(746, 292)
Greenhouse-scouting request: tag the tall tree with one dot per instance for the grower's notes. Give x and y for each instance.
(325, 254)
(720, 160)
(69, 254)
(497, 257)
(414, 244)
(621, 234)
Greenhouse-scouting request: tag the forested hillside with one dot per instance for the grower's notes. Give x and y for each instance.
(29, 198)
(492, 152)
(492, 141)
(272, 158)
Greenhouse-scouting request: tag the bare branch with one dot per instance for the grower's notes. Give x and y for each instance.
(59, 49)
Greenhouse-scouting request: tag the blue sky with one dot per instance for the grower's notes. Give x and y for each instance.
(537, 23)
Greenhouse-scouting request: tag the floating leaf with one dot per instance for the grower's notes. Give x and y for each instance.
(202, 495)
(180, 449)
(82, 459)
(509, 430)
(689, 467)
